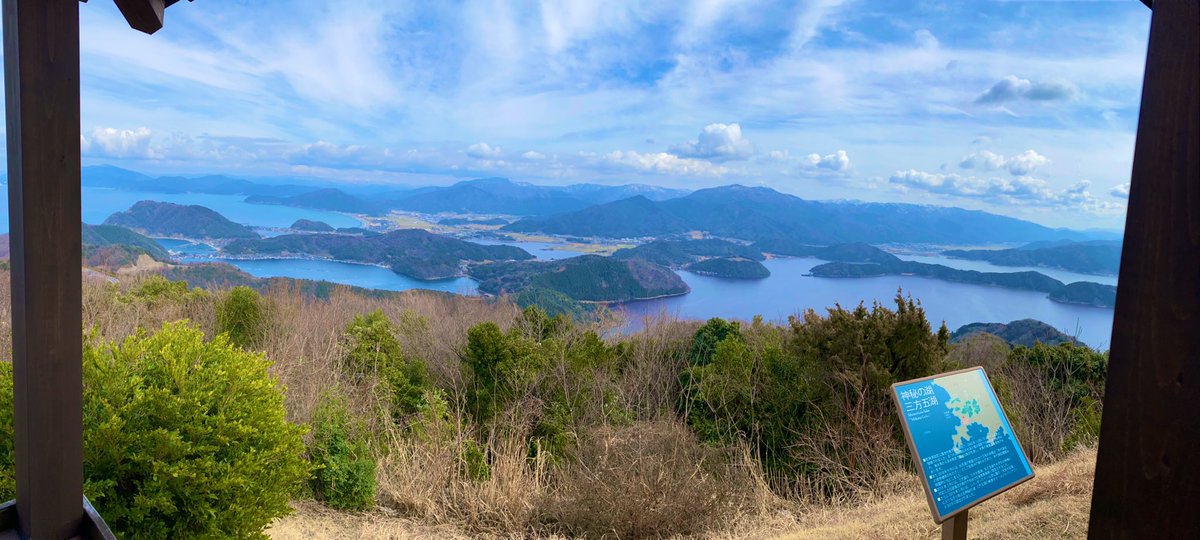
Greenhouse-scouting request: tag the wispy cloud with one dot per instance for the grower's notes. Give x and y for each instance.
(572, 91)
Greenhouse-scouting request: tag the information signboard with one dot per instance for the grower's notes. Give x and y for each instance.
(960, 439)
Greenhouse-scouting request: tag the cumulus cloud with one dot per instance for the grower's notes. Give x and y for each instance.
(662, 163)
(484, 150)
(1012, 88)
(533, 155)
(838, 161)
(1022, 190)
(1021, 164)
(717, 142)
(122, 143)
(1120, 191)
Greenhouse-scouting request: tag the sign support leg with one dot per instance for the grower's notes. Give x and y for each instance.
(955, 528)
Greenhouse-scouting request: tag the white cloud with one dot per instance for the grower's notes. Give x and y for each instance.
(1022, 164)
(84, 145)
(1012, 88)
(1022, 190)
(533, 155)
(925, 39)
(662, 163)
(122, 143)
(483, 150)
(837, 161)
(778, 155)
(1120, 191)
(717, 141)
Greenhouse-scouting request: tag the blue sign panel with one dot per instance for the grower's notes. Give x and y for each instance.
(960, 438)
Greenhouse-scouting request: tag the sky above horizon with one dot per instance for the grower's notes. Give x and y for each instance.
(1024, 108)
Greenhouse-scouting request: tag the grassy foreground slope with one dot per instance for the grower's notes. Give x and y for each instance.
(1052, 505)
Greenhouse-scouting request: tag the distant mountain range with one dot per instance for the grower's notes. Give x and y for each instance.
(1101, 257)
(503, 196)
(177, 220)
(587, 278)
(322, 199)
(763, 214)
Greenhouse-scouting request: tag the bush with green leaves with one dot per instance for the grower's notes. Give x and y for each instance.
(345, 467)
(156, 289)
(241, 316)
(1069, 380)
(182, 437)
(372, 350)
(542, 361)
(8, 478)
(822, 384)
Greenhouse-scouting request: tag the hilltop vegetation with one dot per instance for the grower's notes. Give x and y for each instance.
(856, 252)
(410, 252)
(1097, 257)
(178, 221)
(763, 214)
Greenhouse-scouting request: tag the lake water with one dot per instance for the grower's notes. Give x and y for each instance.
(1064, 276)
(788, 291)
(99, 203)
(359, 275)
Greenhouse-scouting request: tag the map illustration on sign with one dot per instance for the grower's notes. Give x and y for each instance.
(961, 440)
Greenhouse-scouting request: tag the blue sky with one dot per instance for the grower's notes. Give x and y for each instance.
(1022, 108)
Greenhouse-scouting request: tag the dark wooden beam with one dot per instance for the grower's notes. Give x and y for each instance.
(1148, 466)
(143, 15)
(41, 86)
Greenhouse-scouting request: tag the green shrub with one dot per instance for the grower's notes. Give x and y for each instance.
(345, 468)
(473, 463)
(241, 317)
(8, 478)
(157, 289)
(704, 343)
(183, 438)
(374, 350)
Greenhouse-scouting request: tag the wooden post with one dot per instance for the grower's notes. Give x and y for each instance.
(955, 528)
(41, 85)
(1148, 466)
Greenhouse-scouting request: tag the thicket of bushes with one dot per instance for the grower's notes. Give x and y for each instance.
(470, 411)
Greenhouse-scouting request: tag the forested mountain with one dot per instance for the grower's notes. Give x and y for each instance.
(729, 267)
(1096, 257)
(503, 196)
(1025, 332)
(1086, 293)
(857, 252)
(331, 199)
(761, 214)
(176, 220)
(588, 278)
(310, 225)
(411, 252)
(96, 236)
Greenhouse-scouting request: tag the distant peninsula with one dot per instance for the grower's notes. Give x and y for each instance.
(1084, 293)
(331, 199)
(679, 253)
(410, 252)
(1095, 257)
(166, 219)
